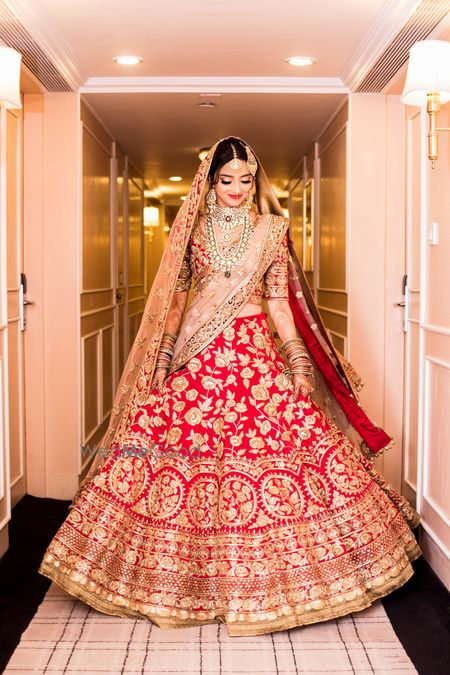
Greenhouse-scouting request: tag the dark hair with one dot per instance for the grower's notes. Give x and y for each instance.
(224, 154)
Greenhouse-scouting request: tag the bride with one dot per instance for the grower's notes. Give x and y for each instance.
(235, 481)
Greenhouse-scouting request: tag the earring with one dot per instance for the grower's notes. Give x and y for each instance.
(248, 203)
(211, 199)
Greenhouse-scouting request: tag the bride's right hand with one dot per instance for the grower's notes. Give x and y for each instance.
(158, 378)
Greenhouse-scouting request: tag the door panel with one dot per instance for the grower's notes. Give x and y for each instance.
(12, 423)
(14, 265)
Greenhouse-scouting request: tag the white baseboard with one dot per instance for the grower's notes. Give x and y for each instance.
(437, 560)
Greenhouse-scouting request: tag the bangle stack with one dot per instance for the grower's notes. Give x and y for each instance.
(166, 350)
(297, 357)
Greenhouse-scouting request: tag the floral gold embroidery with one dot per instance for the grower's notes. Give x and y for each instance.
(180, 383)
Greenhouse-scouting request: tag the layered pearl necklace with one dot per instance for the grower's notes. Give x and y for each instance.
(228, 218)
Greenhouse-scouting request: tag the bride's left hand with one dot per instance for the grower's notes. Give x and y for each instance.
(302, 385)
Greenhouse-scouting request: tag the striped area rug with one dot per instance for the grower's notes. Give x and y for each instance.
(67, 636)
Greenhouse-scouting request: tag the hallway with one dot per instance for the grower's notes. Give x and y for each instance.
(97, 156)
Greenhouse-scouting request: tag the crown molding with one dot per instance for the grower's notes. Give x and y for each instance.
(37, 22)
(213, 85)
(389, 21)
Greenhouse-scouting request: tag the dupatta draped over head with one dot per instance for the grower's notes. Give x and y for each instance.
(336, 381)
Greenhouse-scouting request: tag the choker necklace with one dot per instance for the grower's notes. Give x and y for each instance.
(228, 218)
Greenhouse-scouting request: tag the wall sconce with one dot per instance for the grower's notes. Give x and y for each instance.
(10, 77)
(151, 220)
(428, 83)
(151, 216)
(202, 153)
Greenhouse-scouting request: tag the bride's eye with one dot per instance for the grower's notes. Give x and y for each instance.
(247, 182)
(226, 182)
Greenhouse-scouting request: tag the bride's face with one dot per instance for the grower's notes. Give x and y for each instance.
(233, 185)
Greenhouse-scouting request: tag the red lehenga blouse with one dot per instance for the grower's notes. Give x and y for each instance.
(232, 502)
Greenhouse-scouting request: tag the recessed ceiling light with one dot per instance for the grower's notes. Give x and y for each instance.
(183, 199)
(206, 105)
(175, 179)
(127, 60)
(300, 60)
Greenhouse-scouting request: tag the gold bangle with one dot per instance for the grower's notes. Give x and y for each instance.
(165, 350)
(291, 341)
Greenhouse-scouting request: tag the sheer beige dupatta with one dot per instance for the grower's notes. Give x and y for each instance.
(135, 382)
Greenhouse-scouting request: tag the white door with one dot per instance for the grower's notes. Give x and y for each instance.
(426, 466)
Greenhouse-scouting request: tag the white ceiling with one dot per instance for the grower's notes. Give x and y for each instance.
(212, 37)
(237, 47)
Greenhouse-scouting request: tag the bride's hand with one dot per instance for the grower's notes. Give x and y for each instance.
(158, 378)
(302, 385)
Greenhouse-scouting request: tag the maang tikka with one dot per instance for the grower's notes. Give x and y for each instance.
(236, 163)
(251, 161)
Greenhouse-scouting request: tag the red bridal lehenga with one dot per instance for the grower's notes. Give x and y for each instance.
(221, 498)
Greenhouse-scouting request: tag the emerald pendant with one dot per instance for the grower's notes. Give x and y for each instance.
(227, 273)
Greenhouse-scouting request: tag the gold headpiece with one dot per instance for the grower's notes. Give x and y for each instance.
(236, 163)
(251, 161)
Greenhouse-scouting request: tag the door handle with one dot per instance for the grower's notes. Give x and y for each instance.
(22, 300)
(404, 303)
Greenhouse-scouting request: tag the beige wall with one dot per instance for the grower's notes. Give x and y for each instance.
(366, 245)
(74, 199)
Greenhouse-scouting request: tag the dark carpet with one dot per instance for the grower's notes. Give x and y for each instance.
(419, 611)
(33, 523)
